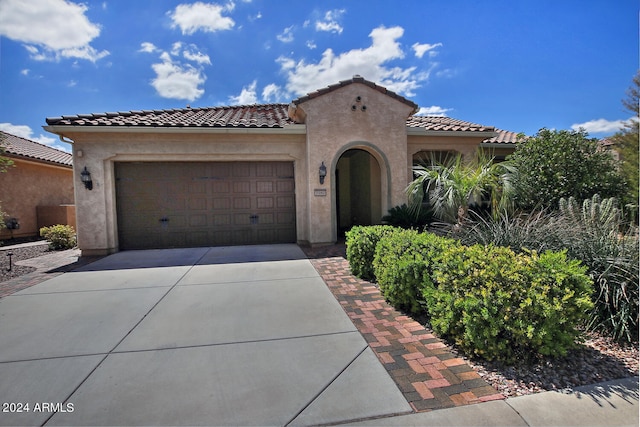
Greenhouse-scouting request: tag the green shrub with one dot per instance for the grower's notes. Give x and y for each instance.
(505, 306)
(402, 216)
(361, 244)
(593, 231)
(60, 237)
(403, 262)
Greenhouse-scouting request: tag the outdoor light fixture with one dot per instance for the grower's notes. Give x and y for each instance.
(85, 177)
(322, 173)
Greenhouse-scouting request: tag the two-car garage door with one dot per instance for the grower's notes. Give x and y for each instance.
(186, 204)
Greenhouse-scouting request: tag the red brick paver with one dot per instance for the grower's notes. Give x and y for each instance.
(428, 374)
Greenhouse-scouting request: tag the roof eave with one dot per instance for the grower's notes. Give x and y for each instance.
(418, 131)
(498, 145)
(65, 130)
(36, 160)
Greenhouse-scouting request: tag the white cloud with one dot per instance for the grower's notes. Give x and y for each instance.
(206, 17)
(433, 110)
(26, 132)
(196, 56)
(247, 96)
(286, 36)
(311, 44)
(273, 93)
(25, 72)
(600, 126)
(303, 77)
(50, 29)
(147, 47)
(176, 48)
(177, 81)
(421, 49)
(331, 23)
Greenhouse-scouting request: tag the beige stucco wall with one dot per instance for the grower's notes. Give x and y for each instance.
(96, 209)
(334, 122)
(30, 184)
(333, 127)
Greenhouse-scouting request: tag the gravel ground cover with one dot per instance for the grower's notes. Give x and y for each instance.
(598, 359)
(19, 254)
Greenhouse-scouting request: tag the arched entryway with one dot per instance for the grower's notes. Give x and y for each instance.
(358, 190)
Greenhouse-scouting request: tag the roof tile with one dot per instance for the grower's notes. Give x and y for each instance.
(503, 137)
(22, 147)
(438, 123)
(255, 116)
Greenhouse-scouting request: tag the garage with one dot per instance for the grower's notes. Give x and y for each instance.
(189, 204)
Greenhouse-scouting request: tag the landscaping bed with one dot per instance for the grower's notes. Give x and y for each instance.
(19, 254)
(598, 358)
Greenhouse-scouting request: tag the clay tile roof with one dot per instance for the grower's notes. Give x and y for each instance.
(355, 79)
(503, 137)
(20, 147)
(241, 116)
(437, 123)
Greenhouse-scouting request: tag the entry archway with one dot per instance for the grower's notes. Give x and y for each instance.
(358, 190)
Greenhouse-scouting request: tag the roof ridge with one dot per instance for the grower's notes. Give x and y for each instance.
(355, 79)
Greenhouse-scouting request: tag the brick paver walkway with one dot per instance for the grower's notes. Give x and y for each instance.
(426, 372)
(47, 267)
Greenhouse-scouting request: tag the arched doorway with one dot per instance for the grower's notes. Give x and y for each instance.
(358, 190)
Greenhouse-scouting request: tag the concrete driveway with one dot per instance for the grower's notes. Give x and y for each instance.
(205, 336)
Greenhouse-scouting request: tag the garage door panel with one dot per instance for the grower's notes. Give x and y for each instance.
(264, 186)
(180, 204)
(198, 187)
(285, 218)
(241, 219)
(284, 186)
(242, 203)
(198, 203)
(221, 203)
(242, 187)
(285, 202)
(241, 169)
(264, 203)
(264, 169)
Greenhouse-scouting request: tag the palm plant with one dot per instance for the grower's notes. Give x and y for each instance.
(452, 186)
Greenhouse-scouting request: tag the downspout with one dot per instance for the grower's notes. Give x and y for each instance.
(67, 141)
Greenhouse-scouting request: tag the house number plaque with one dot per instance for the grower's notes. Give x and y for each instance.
(320, 192)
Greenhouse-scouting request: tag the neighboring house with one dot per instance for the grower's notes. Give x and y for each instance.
(37, 190)
(272, 173)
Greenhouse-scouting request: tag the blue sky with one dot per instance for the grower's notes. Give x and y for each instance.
(518, 65)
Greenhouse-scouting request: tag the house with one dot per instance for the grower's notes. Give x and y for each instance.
(37, 191)
(297, 172)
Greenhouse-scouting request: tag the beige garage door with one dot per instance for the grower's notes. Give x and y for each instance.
(187, 204)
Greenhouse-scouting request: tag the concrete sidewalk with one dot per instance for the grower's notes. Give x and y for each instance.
(225, 336)
(613, 403)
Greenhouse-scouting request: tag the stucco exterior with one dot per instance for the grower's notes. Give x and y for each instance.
(335, 127)
(30, 185)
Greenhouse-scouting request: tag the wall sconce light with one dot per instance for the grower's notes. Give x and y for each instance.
(85, 177)
(322, 173)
